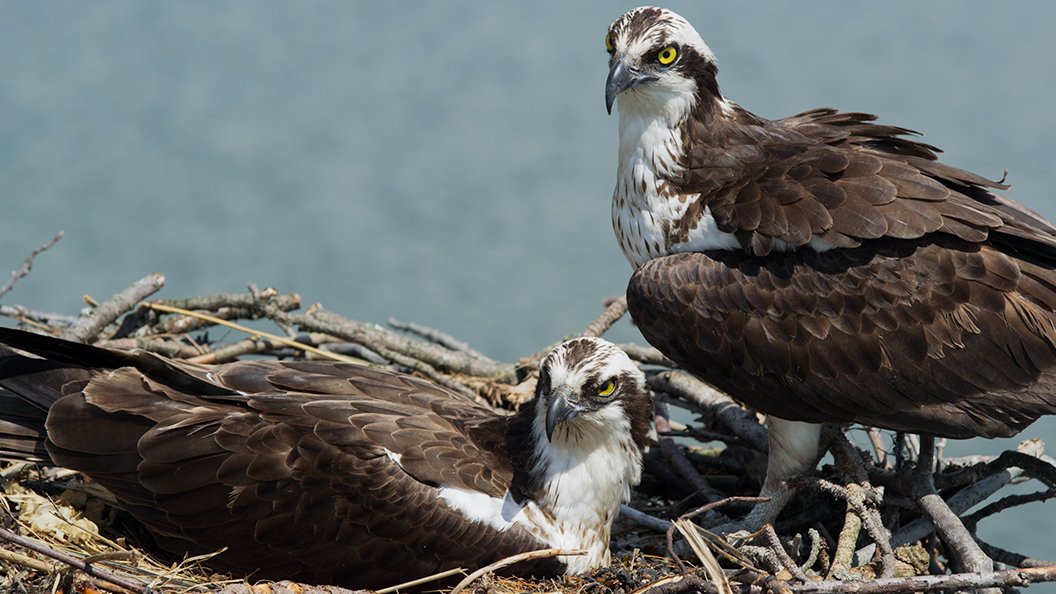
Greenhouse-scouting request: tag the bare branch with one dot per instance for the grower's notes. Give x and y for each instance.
(969, 497)
(432, 334)
(27, 265)
(226, 306)
(248, 346)
(778, 548)
(72, 562)
(23, 313)
(92, 323)
(928, 583)
(859, 495)
(531, 555)
(957, 538)
(643, 519)
(1006, 503)
(682, 466)
(379, 339)
(610, 316)
(741, 421)
(646, 355)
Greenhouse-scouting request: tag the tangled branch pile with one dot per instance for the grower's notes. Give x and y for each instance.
(860, 524)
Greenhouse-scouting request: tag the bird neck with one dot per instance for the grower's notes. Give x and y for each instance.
(648, 204)
(577, 481)
(649, 157)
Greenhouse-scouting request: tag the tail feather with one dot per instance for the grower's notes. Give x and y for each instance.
(75, 355)
(29, 385)
(22, 431)
(62, 351)
(28, 389)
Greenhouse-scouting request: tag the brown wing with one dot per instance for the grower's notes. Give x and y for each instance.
(839, 177)
(939, 336)
(295, 475)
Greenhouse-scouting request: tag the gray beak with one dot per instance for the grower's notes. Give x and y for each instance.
(621, 78)
(559, 410)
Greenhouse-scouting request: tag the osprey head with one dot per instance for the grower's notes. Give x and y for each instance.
(655, 58)
(588, 384)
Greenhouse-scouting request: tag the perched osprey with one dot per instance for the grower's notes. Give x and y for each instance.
(821, 268)
(331, 472)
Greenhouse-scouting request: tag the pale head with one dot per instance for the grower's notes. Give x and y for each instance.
(587, 383)
(657, 60)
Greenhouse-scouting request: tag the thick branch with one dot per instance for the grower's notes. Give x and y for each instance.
(928, 583)
(957, 538)
(226, 306)
(92, 323)
(646, 354)
(969, 497)
(738, 419)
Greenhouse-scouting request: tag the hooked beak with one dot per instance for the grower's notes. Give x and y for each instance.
(621, 78)
(559, 410)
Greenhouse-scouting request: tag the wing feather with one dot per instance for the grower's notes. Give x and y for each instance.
(945, 337)
(321, 472)
(842, 178)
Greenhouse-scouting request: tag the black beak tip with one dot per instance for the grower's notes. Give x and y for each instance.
(558, 411)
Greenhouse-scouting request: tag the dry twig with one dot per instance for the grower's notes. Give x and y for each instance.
(529, 556)
(27, 265)
(74, 562)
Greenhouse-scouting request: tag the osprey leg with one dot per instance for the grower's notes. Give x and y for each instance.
(795, 448)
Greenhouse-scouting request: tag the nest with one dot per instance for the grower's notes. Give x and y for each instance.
(860, 523)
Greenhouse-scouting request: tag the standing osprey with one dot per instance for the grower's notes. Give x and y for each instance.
(336, 473)
(821, 268)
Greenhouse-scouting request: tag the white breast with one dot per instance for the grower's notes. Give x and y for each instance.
(586, 478)
(643, 214)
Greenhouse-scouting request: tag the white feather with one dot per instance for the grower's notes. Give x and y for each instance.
(499, 514)
(794, 449)
(393, 456)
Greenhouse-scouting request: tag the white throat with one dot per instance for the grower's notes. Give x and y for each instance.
(645, 206)
(589, 471)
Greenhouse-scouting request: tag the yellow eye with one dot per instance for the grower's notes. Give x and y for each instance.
(667, 55)
(608, 43)
(607, 389)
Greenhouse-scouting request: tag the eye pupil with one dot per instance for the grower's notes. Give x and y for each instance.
(607, 389)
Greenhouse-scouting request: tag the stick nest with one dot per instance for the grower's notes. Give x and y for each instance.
(858, 523)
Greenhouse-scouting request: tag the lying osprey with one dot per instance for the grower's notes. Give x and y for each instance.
(821, 268)
(331, 472)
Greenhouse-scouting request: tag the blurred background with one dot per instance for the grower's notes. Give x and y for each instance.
(450, 164)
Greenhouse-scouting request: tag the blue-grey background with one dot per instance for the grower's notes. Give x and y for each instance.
(448, 163)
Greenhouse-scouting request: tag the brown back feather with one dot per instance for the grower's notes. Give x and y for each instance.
(841, 177)
(935, 335)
